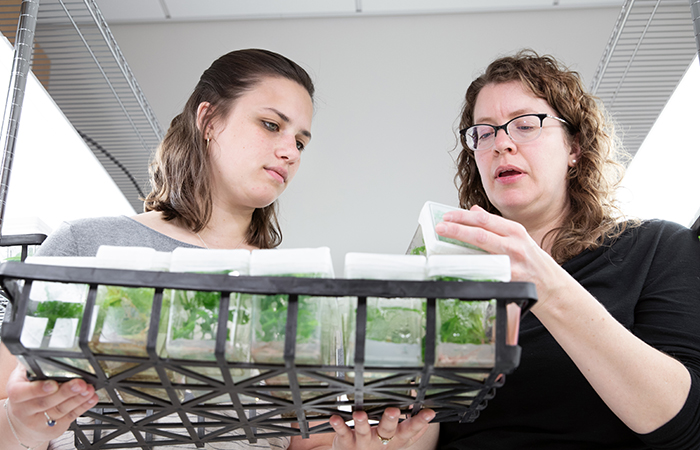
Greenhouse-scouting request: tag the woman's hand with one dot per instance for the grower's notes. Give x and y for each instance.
(389, 434)
(30, 402)
(500, 236)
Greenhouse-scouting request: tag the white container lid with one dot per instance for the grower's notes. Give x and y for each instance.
(470, 267)
(430, 215)
(64, 292)
(376, 266)
(161, 261)
(68, 261)
(133, 258)
(292, 261)
(210, 261)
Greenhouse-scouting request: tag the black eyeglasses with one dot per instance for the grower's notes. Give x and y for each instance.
(525, 128)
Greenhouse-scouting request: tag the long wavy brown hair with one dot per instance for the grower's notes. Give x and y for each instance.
(593, 215)
(180, 170)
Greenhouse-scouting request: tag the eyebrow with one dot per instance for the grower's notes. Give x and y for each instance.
(287, 120)
(516, 113)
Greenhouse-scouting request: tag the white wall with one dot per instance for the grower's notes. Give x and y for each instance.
(389, 92)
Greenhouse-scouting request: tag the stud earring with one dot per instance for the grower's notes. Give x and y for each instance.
(573, 161)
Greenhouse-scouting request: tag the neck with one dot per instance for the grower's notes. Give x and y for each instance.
(227, 230)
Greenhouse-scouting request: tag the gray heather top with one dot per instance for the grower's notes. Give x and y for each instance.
(83, 237)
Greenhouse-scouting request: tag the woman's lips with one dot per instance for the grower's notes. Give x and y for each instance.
(278, 173)
(508, 174)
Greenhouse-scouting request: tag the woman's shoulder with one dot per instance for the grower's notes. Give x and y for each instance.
(639, 240)
(658, 230)
(82, 237)
(92, 224)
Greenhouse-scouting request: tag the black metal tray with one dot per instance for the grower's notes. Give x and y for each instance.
(251, 409)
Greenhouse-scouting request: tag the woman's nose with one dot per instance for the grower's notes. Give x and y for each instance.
(287, 149)
(503, 142)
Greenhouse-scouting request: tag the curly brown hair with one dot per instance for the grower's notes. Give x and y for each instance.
(593, 216)
(180, 170)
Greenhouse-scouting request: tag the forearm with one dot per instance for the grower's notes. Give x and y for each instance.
(644, 387)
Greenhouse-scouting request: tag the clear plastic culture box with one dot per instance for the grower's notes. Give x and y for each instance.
(317, 318)
(394, 325)
(466, 330)
(53, 317)
(194, 315)
(318, 330)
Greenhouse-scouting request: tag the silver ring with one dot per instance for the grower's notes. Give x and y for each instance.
(385, 441)
(49, 421)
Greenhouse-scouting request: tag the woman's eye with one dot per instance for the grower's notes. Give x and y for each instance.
(300, 145)
(485, 135)
(270, 125)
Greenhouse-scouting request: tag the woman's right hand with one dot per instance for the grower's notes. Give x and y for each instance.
(29, 401)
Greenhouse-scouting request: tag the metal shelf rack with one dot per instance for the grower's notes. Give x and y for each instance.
(70, 49)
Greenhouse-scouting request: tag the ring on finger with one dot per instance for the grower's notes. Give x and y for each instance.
(385, 441)
(49, 421)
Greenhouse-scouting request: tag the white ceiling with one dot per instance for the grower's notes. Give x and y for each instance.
(127, 11)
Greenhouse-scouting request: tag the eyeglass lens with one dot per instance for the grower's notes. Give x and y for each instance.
(521, 129)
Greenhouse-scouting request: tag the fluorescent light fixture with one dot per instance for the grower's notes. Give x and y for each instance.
(661, 181)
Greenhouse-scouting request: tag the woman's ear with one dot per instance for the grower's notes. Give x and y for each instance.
(575, 153)
(203, 111)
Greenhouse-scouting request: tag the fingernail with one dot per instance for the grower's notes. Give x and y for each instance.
(49, 386)
(92, 401)
(85, 393)
(440, 228)
(76, 388)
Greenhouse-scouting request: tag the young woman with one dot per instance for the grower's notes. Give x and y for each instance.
(224, 161)
(215, 178)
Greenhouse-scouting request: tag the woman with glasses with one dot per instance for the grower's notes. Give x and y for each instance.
(611, 351)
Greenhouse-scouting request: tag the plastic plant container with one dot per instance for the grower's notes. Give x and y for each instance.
(394, 327)
(318, 334)
(466, 329)
(54, 314)
(194, 315)
(122, 316)
(123, 313)
(316, 340)
(427, 242)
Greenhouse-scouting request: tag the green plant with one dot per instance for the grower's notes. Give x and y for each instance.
(54, 310)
